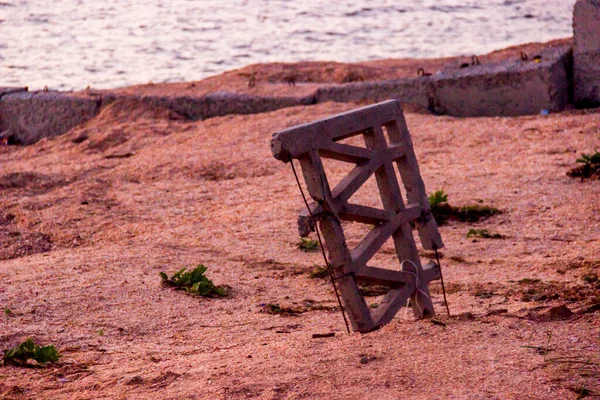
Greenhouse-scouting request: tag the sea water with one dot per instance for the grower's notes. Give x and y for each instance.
(70, 44)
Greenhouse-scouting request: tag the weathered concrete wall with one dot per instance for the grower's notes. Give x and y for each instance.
(26, 117)
(225, 103)
(408, 90)
(511, 87)
(9, 90)
(506, 88)
(586, 54)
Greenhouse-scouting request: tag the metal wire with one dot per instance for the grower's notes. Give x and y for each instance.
(327, 264)
(442, 279)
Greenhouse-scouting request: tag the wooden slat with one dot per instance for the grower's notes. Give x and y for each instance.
(346, 153)
(395, 299)
(382, 276)
(362, 253)
(339, 257)
(354, 180)
(363, 214)
(299, 140)
(373, 241)
(415, 188)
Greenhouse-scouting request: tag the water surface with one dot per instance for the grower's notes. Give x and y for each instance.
(70, 44)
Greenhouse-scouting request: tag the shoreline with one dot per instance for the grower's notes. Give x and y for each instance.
(519, 80)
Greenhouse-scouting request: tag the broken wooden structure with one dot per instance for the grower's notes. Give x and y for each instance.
(311, 142)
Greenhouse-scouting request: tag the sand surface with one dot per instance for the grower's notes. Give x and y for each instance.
(89, 219)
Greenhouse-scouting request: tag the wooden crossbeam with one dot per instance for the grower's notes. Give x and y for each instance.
(309, 143)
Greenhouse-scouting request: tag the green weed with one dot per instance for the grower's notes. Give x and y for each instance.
(194, 282)
(30, 351)
(319, 272)
(590, 159)
(589, 169)
(308, 245)
(438, 197)
(8, 312)
(276, 309)
(442, 211)
(483, 233)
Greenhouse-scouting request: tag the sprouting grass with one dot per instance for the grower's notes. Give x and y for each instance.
(28, 350)
(8, 312)
(483, 233)
(589, 169)
(474, 212)
(437, 198)
(292, 311)
(194, 282)
(319, 272)
(442, 211)
(590, 159)
(308, 245)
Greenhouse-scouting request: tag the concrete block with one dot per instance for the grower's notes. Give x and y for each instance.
(224, 103)
(586, 54)
(407, 90)
(586, 25)
(26, 117)
(9, 90)
(505, 88)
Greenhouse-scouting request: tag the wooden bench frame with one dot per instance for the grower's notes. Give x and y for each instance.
(311, 142)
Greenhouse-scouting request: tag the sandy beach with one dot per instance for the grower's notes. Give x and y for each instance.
(89, 219)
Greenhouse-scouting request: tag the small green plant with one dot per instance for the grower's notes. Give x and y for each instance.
(589, 169)
(194, 282)
(308, 245)
(319, 272)
(442, 211)
(276, 309)
(8, 312)
(438, 197)
(590, 159)
(483, 233)
(474, 213)
(30, 351)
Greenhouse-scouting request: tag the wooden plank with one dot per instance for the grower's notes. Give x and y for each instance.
(413, 184)
(395, 299)
(339, 257)
(431, 272)
(354, 180)
(346, 153)
(382, 276)
(299, 140)
(314, 176)
(373, 241)
(363, 214)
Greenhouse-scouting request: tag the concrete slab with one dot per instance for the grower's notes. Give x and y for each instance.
(26, 117)
(586, 53)
(8, 90)
(506, 88)
(407, 90)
